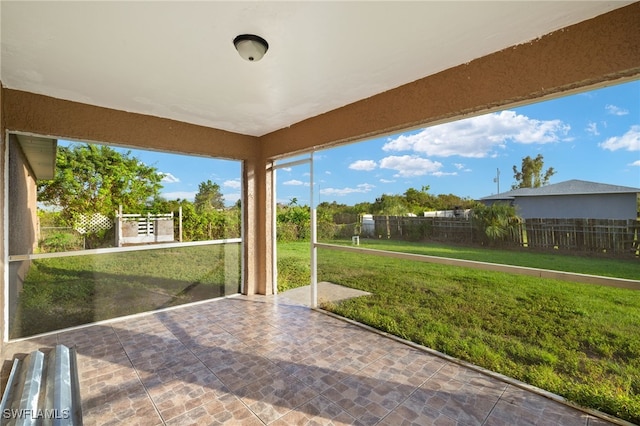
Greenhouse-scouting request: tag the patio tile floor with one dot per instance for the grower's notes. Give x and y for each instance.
(263, 360)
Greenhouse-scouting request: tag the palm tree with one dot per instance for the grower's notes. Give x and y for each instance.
(497, 221)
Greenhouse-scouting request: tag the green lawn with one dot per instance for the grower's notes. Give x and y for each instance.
(592, 265)
(63, 292)
(577, 340)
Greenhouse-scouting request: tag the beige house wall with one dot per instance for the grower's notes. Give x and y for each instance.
(23, 217)
(23, 229)
(604, 50)
(3, 254)
(591, 54)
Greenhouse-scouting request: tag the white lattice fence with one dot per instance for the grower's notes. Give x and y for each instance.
(90, 224)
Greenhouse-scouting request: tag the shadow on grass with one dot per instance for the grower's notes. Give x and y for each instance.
(79, 297)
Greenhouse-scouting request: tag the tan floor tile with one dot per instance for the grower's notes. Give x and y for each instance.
(218, 413)
(519, 407)
(465, 403)
(467, 375)
(318, 411)
(118, 400)
(181, 392)
(404, 416)
(368, 399)
(596, 421)
(405, 366)
(248, 361)
(237, 370)
(318, 379)
(274, 395)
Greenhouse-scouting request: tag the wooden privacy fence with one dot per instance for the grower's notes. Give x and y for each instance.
(458, 230)
(614, 237)
(588, 235)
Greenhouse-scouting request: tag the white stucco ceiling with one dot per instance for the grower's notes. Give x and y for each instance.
(177, 60)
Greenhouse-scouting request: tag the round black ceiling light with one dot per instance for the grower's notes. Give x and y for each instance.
(251, 47)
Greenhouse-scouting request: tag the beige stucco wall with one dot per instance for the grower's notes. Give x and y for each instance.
(53, 117)
(590, 54)
(3, 255)
(23, 218)
(258, 206)
(600, 51)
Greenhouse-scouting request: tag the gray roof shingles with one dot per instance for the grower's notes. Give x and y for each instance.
(569, 187)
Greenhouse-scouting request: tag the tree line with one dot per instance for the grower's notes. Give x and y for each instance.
(92, 179)
(96, 179)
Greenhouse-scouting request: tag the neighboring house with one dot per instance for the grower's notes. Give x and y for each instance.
(572, 199)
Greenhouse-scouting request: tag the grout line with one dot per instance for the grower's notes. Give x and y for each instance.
(494, 405)
(212, 372)
(146, 391)
(413, 392)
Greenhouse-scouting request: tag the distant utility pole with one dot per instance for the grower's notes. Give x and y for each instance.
(497, 179)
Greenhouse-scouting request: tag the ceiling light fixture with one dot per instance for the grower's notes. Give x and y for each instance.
(251, 47)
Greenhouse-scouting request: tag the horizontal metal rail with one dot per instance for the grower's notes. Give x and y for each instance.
(496, 267)
(22, 257)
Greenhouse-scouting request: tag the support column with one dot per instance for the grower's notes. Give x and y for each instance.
(3, 237)
(257, 177)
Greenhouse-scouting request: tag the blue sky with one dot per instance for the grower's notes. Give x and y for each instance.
(593, 136)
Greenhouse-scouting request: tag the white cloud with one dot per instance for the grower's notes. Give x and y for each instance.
(479, 137)
(295, 182)
(387, 181)
(461, 167)
(168, 178)
(630, 141)
(363, 165)
(635, 163)
(593, 129)
(614, 110)
(341, 192)
(231, 198)
(410, 165)
(234, 183)
(183, 195)
(440, 174)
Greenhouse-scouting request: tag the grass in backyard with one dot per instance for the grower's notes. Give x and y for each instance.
(68, 291)
(592, 265)
(580, 341)
(293, 265)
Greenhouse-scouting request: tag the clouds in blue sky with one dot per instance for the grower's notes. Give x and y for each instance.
(169, 178)
(630, 141)
(476, 137)
(362, 188)
(614, 110)
(363, 165)
(481, 136)
(591, 136)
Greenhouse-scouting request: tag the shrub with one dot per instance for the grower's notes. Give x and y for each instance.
(59, 241)
(496, 223)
